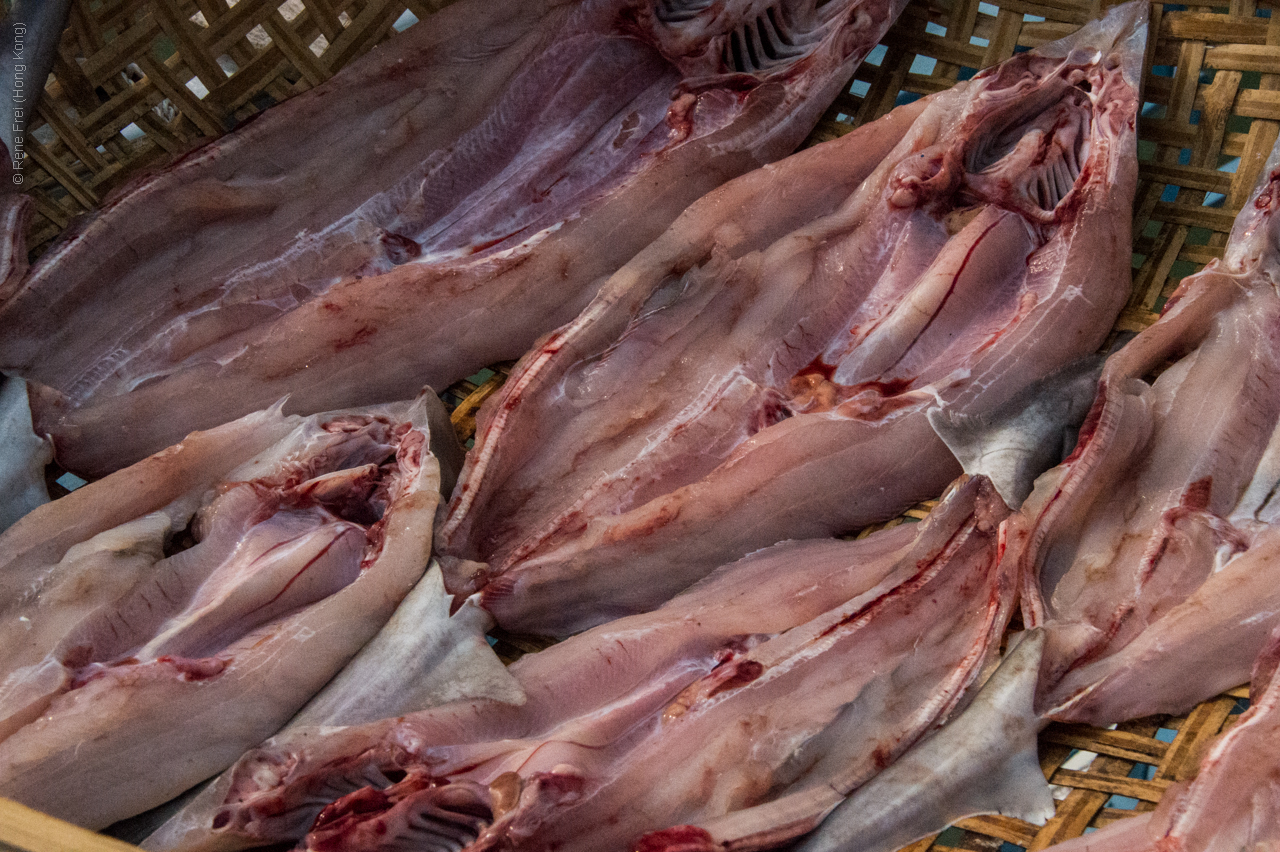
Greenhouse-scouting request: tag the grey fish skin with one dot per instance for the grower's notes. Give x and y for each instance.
(422, 657)
(762, 370)
(122, 688)
(983, 761)
(1021, 439)
(433, 208)
(613, 739)
(1161, 526)
(23, 455)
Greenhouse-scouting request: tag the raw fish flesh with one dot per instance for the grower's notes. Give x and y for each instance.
(132, 668)
(1199, 648)
(983, 761)
(431, 209)
(1158, 534)
(763, 370)
(806, 664)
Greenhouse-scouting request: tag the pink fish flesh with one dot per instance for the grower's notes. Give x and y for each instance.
(806, 664)
(435, 207)
(129, 671)
(1161, 527)
(763, 370)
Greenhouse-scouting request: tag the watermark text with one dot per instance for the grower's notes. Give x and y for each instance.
(19, 93)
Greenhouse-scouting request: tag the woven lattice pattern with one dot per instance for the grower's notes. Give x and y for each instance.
(1211, 101)
(138, 80)
(1211, 93)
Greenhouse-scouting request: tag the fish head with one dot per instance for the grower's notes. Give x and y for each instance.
(1039, 133)
(760, 40)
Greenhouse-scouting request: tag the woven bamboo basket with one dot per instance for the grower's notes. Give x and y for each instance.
(138, 81)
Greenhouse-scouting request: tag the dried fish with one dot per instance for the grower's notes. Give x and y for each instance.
(763, 370)
(755, 680)
(433, 208)
(1156, 535)
(130, 673)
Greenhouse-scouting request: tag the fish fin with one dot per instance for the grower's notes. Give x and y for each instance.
(1023, 437)
(982, 762)
(1006, 704)
(422, 657)
(444, 442)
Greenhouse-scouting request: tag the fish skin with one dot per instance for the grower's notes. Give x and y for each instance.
(26, 55)
(424, 656)
(602, 695)
(1131, 546)
(983, 761)
(23, 455)
(519, 153)
(1016, 442)
(649, 437)
(169, 682)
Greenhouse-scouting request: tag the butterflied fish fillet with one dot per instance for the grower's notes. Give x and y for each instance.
(423, 656)
(431, 209)
(806, 664)
(132, 668)
(982, 761)
(763, 370)
(1149, 554)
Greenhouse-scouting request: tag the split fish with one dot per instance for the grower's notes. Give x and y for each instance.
(433, 208)
(763, 370)
(982, 762)
(804, 664)
(1149, 554)
(133, 665)
(423, 657)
